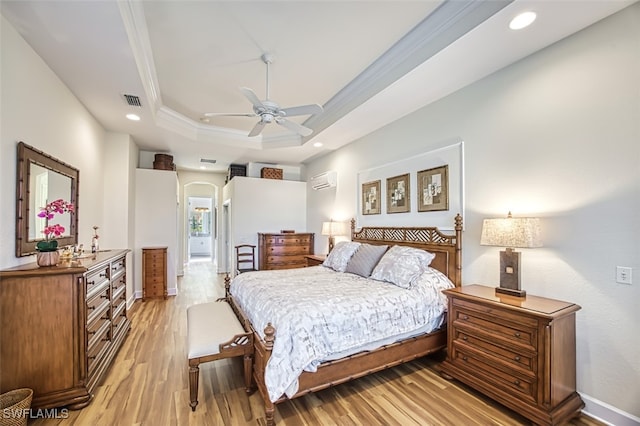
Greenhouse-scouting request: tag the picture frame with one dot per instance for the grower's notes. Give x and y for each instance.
(433, 189)
(398, 194)
(371, 197)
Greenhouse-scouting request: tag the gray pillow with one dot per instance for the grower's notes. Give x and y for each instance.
(340, 255)
(365, 259)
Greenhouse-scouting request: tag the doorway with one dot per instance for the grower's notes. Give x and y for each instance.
(201, 222)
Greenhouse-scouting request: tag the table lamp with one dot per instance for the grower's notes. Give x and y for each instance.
(511, 232)
(333, 229)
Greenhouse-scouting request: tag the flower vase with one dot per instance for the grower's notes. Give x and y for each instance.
(48, 258)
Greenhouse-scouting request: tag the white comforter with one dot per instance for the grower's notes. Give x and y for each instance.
(318, 312)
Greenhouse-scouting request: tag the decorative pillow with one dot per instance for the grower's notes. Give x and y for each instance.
(340, 255)
(365, 259)
(402, 265)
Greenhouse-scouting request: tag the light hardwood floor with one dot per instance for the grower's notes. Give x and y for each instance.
(148, 383)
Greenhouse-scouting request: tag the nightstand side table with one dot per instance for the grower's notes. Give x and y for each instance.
(519, 351)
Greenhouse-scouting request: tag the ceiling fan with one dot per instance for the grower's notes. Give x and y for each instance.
(270, 112)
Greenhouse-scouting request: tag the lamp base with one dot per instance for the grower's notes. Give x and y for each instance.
(511, 291)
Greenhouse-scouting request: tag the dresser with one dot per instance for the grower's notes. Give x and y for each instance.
(284, 251)
(519, 351)
(61, 327)
(154, 272)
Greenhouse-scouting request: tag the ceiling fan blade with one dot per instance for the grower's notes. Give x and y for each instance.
(298, 128)
(250, 94)
(257, 129)
(302, 110)
(229, 114)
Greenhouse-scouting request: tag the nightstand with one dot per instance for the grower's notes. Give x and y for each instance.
(315, 259)
(519, 351)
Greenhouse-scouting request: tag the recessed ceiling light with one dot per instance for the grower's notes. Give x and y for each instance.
(202, 167)
(317, 144)
(522, 20)
(133, 117)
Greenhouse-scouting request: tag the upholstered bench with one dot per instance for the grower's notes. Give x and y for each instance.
(213, 333)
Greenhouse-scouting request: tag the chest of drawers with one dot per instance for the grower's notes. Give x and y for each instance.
(519, 351)
(154, 272)
(61, 327)
(284, 251)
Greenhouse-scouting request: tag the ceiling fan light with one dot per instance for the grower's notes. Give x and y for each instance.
(522, 20)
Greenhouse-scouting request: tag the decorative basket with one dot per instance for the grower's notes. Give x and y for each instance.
(15, 405)
(271, 173)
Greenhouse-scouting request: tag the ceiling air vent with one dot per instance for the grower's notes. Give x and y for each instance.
(132, 100)
(207, 160)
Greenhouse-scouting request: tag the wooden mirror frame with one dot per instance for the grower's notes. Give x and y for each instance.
(26, 156)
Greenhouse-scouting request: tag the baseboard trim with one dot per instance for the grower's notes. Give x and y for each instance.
(607, 413)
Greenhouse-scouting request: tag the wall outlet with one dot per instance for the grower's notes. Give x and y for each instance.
(623, 275)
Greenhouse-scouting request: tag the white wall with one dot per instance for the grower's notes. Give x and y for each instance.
(37, 108)
(118, 226)
(556, 135)
(156, 221)
(264, 205)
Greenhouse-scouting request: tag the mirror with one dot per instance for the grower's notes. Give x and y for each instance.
(42, 179)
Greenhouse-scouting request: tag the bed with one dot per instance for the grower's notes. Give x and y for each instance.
(276, 307)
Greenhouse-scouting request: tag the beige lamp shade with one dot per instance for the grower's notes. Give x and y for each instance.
(511, 232)
(334, 228)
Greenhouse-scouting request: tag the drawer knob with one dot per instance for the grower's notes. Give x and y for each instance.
(103, 275)
(517, 334)
(465, 317)
(517, 358)
(90, 308)
(464, 337)
(464, 358)
(517, 383)
(91, 333)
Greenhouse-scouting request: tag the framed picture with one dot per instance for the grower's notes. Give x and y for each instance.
(371, 197)
(398, 194)
(433, 189)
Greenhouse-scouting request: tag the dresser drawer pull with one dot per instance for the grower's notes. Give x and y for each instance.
(92, 357)
(91, 333)
(517, 383)
(517, 334)
(517, 358)
(464, 337)
(90, 308)
(465, 317)
(104, 296)
(103, 275)
(464, 358)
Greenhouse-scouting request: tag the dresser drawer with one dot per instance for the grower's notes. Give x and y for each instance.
(288, 265)
(97, 305)
(98, 345)
(302, 240)
(476, 364)
(118, 267)
(287, 250)
(496, 328)
(96, 280)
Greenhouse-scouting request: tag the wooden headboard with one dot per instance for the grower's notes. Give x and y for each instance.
(446, 247)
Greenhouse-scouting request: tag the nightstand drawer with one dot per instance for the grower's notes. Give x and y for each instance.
(495, 327)
(524, 362)
(477, 365)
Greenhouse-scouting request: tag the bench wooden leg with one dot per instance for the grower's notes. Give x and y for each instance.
(248, 372)
(194, 375)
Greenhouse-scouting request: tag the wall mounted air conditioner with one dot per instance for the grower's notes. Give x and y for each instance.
(324, 180)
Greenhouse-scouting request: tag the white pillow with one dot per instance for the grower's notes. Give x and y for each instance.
(402, 265)
(340, 255)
